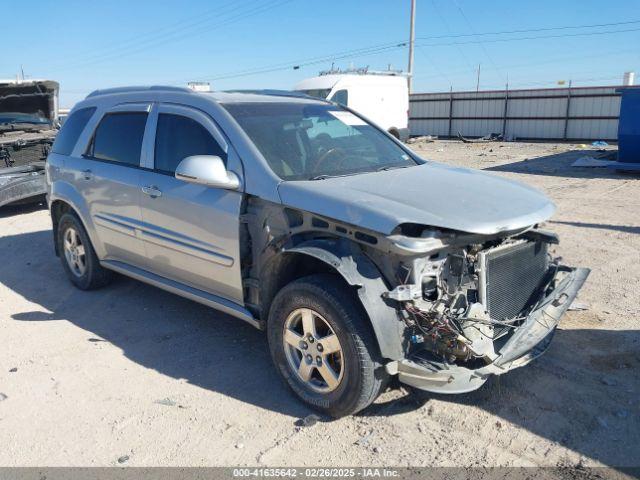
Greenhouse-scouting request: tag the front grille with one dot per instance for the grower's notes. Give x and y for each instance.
(17, 155)
(513, 276)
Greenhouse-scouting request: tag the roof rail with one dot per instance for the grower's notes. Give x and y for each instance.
(153, 88)
(276, 93)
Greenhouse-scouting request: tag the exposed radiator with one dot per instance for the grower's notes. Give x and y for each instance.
(511, 276)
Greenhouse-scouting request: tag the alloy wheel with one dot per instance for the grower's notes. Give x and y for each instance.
(74, 252)
(313, 350)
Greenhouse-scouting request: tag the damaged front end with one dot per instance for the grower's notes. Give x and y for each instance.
(28, 126)
(476, 305)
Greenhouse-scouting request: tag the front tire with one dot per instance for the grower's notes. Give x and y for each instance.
(323, 346)
(78, 257)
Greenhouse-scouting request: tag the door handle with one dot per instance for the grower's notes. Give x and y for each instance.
(87, 174)
(152, 191)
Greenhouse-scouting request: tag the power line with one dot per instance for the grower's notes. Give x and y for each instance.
(309, 63)
(430, 60)
(533, 38)
(507, 32)
(193, 32)
(154, 34)
(563, 59)
(495, 67)
(532, 30)
(176, 36)
(539, 37)
(365, 51)
(446, 25)
(159, 37)
(297, 64)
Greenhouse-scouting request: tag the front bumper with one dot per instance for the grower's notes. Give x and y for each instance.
(18, 184)
(530, 340)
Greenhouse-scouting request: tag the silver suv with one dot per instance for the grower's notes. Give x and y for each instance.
(361, 260)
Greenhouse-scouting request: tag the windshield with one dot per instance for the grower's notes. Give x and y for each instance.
(306, 141)
(17, 117)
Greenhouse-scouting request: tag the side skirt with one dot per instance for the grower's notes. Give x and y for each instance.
(185, 291)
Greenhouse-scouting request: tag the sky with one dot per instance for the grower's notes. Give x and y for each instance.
(259, 43)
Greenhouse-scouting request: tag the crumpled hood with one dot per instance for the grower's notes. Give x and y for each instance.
(37, 97)
(432, 194)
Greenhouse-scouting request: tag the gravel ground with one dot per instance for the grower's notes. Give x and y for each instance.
(131, 375)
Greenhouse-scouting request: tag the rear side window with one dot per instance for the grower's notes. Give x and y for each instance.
(178, 137)
(71, 130)
(118, 138)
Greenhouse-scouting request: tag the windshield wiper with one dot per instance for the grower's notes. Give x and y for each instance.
(391, 167)
(324, 176)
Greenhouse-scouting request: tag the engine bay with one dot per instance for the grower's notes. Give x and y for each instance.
(462, 303)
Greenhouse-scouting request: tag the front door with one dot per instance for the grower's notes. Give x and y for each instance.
(191, 232)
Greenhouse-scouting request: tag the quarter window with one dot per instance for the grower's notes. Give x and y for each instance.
(178, 137)
(118, 138)
(341, 97)
(71, 130)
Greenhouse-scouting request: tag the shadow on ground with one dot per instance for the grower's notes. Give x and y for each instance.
(600, 226)
(583, 394)
(156, 329)
(559, 165)
(22, 209)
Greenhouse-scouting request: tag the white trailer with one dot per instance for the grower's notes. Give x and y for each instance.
(382, 97)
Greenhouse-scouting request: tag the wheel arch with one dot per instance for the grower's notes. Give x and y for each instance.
(57, 208)
(347, 261)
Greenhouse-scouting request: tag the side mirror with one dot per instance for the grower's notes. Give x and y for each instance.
(208, 170)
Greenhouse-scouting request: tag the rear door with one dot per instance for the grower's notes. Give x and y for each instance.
(191, 232)
(108, 177)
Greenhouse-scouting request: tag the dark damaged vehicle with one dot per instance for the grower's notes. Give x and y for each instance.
(361, 260)
(28, 126)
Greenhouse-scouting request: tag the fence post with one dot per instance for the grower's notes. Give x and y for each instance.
(450, 108)
(566, 117)
(506, 108)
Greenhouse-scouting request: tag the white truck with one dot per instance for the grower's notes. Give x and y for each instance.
(382, 97)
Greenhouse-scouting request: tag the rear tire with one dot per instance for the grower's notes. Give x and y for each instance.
(346, 374)
(78, 257)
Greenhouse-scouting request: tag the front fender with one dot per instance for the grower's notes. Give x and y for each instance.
(359, 271)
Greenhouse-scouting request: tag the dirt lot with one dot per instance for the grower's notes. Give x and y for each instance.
(132, 375)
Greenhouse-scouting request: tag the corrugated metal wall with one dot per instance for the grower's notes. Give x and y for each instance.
(581, 113)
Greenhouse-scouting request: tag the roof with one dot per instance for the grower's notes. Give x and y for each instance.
(246, 96)
(263, 96)
(138, 88)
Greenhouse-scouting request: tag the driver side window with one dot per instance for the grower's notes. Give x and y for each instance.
(178, 137)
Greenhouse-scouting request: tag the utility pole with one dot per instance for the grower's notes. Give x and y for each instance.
(478, 80)
(412, 38)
